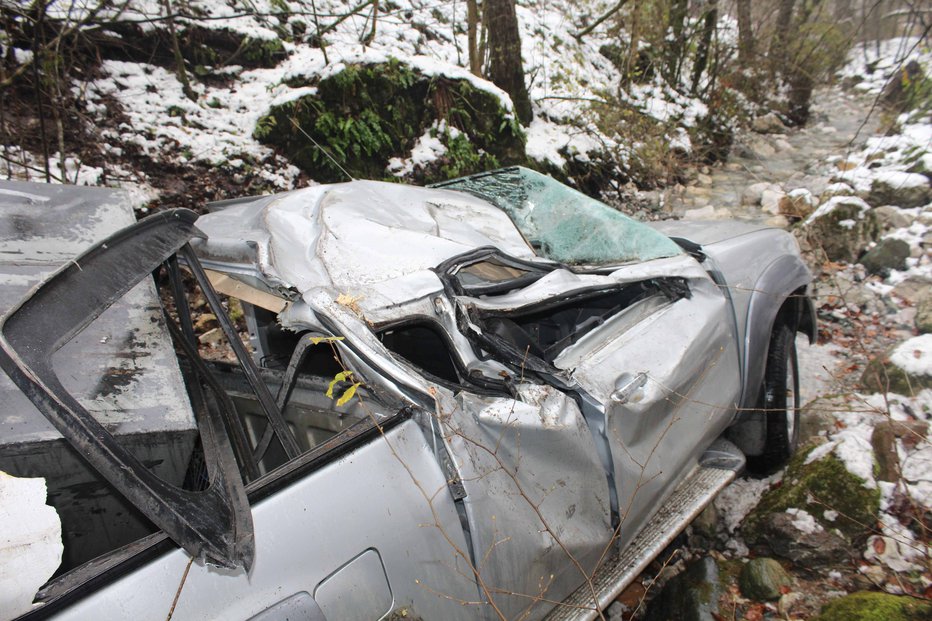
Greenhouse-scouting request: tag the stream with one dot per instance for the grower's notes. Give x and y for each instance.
(794, 159)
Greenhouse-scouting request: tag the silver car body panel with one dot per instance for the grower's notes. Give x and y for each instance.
(761, 268)
(351, 236)
(536, 495)
(385, 502)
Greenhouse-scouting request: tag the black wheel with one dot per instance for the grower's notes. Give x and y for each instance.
(779, 401)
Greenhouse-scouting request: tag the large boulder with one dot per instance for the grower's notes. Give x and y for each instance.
(906, 369)
(823, 488)
(842, 227)
(866, 606)
(379, 120)
(903, 189)
(796, 536)
(691, 595)
(888, 254)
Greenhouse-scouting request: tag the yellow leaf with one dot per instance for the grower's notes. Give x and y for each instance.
(346, 396)
(317, 340)
(342, 376)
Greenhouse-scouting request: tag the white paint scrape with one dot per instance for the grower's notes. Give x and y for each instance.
(30, 543)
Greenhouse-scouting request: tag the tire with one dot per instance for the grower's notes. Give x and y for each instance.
(779, 401)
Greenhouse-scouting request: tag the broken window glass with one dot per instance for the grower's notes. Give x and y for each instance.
(562, 224)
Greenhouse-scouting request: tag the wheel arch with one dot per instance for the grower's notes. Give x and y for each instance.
(779, 294)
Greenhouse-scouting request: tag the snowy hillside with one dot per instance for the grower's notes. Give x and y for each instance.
(145, 121)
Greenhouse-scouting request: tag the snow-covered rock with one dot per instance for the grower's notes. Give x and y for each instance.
(842, 227)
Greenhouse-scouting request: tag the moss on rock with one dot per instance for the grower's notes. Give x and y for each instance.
(367, 114)
(825, 484)
(763, 579)
(881, 375)
(844, 231)
(868, 606)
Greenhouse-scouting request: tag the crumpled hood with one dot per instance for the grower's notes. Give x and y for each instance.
(353, 236)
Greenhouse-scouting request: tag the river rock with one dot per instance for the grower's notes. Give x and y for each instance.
(770, 200)
(762, 580)
(888, 254)
(752, 194)
(769, 123)
(924, 313)
(838, 188)
(796, 536)
(891, 217)
(913, 289)
(755, 146)
(905, 370)
(902, 189)
(871, 606)
(211, 337)
(782, 145)
(842, 227)
(691, 595)
(883, 441)
(798, 204)
(816, 417)
(762, 149)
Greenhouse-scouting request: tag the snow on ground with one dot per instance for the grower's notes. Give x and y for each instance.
(886, 159)
(564, 74)
(871, 64)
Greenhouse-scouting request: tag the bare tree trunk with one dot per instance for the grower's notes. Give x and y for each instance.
(483, 35)
(472, 37)
(702, 51)
(176, 51)
(635, 31)
(38, 46)
(582, 33)
(57, 105)
(678, 12)
(777, 53)
(745, 34)
(370, 36)
(505, 67)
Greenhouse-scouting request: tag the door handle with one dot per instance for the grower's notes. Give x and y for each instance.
(626, 386)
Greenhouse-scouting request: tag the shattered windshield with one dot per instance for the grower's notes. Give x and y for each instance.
(565, 225)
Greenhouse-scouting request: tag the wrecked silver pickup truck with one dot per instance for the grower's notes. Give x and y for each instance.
(495, 398)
